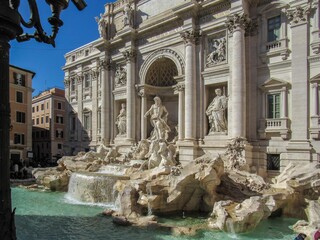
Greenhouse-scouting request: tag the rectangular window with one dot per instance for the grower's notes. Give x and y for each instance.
(37, 121)
(42, 106)
(33, 122)
(86, 80)
(47, 119)
(274, 105)
(86, 121)
(41, 120)
(73, 123)
(32, 109)
(21, 117)
(18, 138)
(37, 108)
(73, 85)
(59, 146)
(274, 25)
(47, 105)
(19, 97)
(59, 105)
(19, 79)
(273, 162)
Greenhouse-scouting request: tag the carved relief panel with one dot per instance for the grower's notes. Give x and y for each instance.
(216, 50)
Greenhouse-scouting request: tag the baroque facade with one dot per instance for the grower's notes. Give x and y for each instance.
(222, 69)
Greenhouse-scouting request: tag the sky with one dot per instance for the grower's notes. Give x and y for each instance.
(79, 28)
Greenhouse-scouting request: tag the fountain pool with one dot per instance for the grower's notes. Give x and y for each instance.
(50, 215)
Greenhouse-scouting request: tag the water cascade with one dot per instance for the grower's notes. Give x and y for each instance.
(149, 192)
(92, 188)
(230, 228)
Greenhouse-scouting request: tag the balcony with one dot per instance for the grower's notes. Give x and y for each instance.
(274, 125)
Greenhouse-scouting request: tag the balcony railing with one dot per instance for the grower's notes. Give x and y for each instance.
(274, 125)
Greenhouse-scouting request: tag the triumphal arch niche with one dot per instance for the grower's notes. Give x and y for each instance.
(160, 74)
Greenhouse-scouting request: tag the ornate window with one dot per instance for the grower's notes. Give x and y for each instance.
(73, 85)
(274, 119)
(86, 119)
(273, 28)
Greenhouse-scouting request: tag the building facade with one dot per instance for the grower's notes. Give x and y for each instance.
(20, 105)
(222, 69)
(48, 119)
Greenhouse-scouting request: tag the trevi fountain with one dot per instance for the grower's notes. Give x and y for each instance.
(141, 187)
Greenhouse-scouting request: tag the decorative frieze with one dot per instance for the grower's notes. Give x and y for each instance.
(120, 78)
(217, 51)
(190, 36)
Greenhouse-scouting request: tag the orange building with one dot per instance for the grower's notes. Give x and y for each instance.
(20, 104)
(48, 116)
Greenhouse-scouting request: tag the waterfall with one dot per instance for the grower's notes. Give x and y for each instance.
(230, 229)
(149, 193)
(93, 188)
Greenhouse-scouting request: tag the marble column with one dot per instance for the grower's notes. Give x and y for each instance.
(189, 38)
(105, 66)
(180, 89)
(79, 79)
(236, 26)
(129, 55)
(143, 120)
(94, 99)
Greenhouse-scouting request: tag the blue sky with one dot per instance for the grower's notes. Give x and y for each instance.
(46, 61)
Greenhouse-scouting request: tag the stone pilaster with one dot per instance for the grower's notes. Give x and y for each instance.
(190, 37)
(105, 67)
(94, 74)
(129, 56)
(180, 89)
(236, 25)
(143, 120)
(299, 147)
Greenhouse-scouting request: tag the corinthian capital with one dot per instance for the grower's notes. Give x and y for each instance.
(129, 55)
(190, 36)
(298, 14)
(237, 21)
(107, 64)
(179, 87)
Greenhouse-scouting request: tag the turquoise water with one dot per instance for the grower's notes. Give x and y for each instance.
(49, 215)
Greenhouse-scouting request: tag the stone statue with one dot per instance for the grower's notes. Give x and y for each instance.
(120, 78)
(216, 113)
(121, 120)
(102, 26)
(158, 118)
(218, 53)
(128, 16)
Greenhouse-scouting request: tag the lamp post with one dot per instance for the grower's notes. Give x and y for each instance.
(10, 28)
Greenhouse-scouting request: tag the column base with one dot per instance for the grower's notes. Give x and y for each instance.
(188, 151)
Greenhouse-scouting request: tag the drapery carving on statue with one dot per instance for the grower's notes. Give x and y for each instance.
(121, 120)
(120, 78)
(218, 53)
(128, 15)
(216, 113)
(102, 26)
(158, 118)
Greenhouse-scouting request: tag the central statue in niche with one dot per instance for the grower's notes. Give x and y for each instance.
(158, 118)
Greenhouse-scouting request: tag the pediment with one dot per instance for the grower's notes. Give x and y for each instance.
(273, 5)
(316, 78)
(273, 83)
